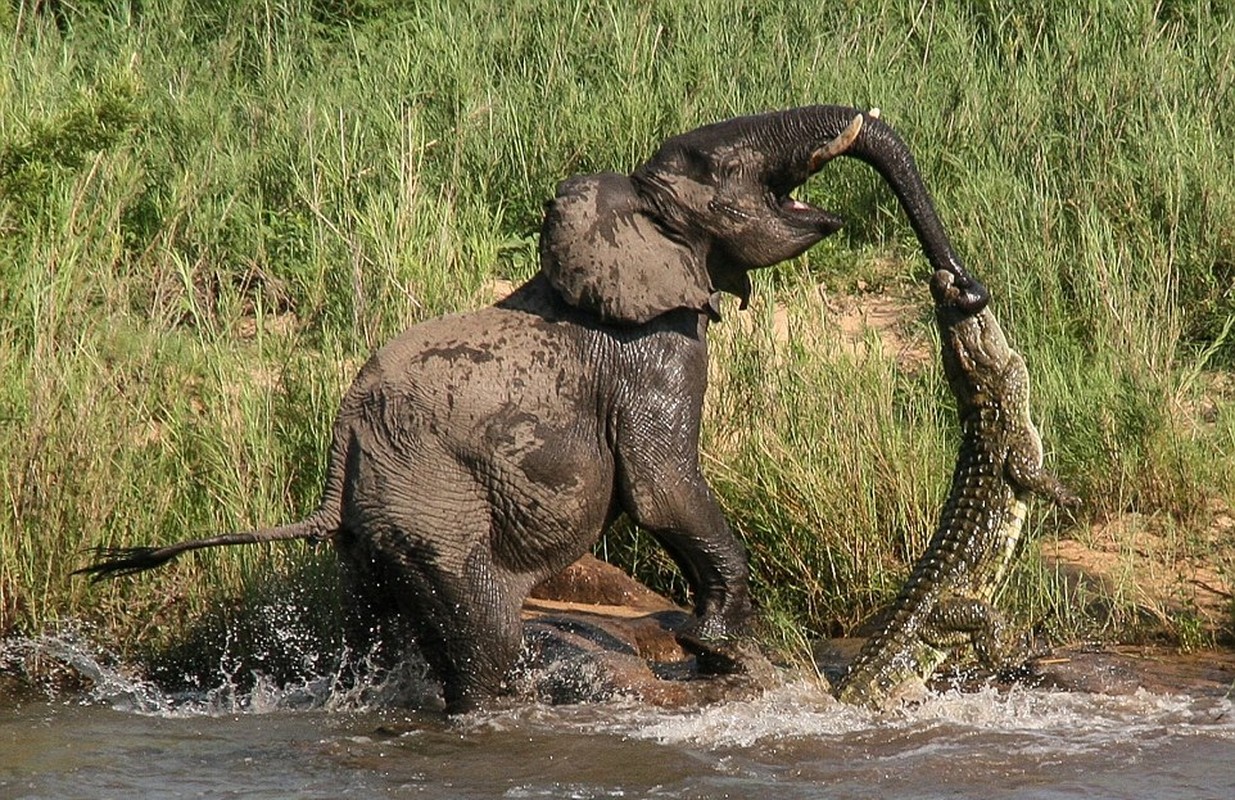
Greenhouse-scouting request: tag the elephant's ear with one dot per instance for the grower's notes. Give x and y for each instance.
(602, 250)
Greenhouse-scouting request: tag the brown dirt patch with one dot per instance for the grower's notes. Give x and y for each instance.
(857, 324)
(1146, 562)
(495, 290)
(285, 324)
(887, 319)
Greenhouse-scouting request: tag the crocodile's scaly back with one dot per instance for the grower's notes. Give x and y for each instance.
(947, 598)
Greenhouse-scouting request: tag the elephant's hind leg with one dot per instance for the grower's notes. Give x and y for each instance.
(470, 631)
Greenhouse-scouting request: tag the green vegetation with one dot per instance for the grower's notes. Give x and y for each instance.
(210, 212)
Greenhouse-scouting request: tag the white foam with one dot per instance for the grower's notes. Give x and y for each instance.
(114, 684)
(1042, 720)
(1031, 721)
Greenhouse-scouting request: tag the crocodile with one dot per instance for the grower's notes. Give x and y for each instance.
(947, 600)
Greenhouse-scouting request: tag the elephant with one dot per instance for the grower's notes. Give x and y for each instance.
(479, 453)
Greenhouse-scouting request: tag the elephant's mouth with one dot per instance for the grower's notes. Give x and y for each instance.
(804, 215)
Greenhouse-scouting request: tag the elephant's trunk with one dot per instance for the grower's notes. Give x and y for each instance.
(864, 136)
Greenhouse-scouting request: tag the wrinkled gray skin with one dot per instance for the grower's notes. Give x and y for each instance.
(478, 454)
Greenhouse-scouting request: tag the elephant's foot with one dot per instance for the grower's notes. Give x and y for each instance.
(723, 617)
(720, 637)
(729, 657)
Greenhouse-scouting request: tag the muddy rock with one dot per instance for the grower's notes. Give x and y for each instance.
(593, 632)
(1124, 669)
(592, 582)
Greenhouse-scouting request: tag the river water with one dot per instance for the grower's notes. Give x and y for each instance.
(124, 738)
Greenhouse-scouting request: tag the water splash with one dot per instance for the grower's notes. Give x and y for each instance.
(799, 716)
(51, 659)
(350, 682)
(1028, 721)
(1033, 720)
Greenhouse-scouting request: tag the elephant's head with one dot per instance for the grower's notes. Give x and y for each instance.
(715, 203)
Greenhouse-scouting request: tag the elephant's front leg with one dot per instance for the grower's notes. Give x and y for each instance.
(687, 522)
(663, 491)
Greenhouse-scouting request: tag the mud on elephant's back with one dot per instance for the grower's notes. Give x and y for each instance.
(593, 632)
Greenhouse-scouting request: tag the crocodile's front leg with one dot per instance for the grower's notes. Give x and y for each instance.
(1022, 464)
(1024, 470)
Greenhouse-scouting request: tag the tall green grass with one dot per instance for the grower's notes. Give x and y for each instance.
(211, 212)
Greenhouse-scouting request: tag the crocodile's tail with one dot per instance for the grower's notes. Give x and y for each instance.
(116, 561)
(895, 663)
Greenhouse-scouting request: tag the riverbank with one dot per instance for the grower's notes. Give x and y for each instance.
(593, 635)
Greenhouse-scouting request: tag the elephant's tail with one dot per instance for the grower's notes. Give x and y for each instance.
(322, 524)
(115, 561)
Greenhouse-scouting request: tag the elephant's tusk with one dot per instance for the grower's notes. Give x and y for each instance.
(837, 146)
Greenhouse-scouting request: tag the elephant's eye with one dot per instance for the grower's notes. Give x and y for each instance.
(729, 166)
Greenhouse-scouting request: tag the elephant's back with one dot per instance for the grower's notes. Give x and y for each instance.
(490, 350)
(490, 403)
(476, 380)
